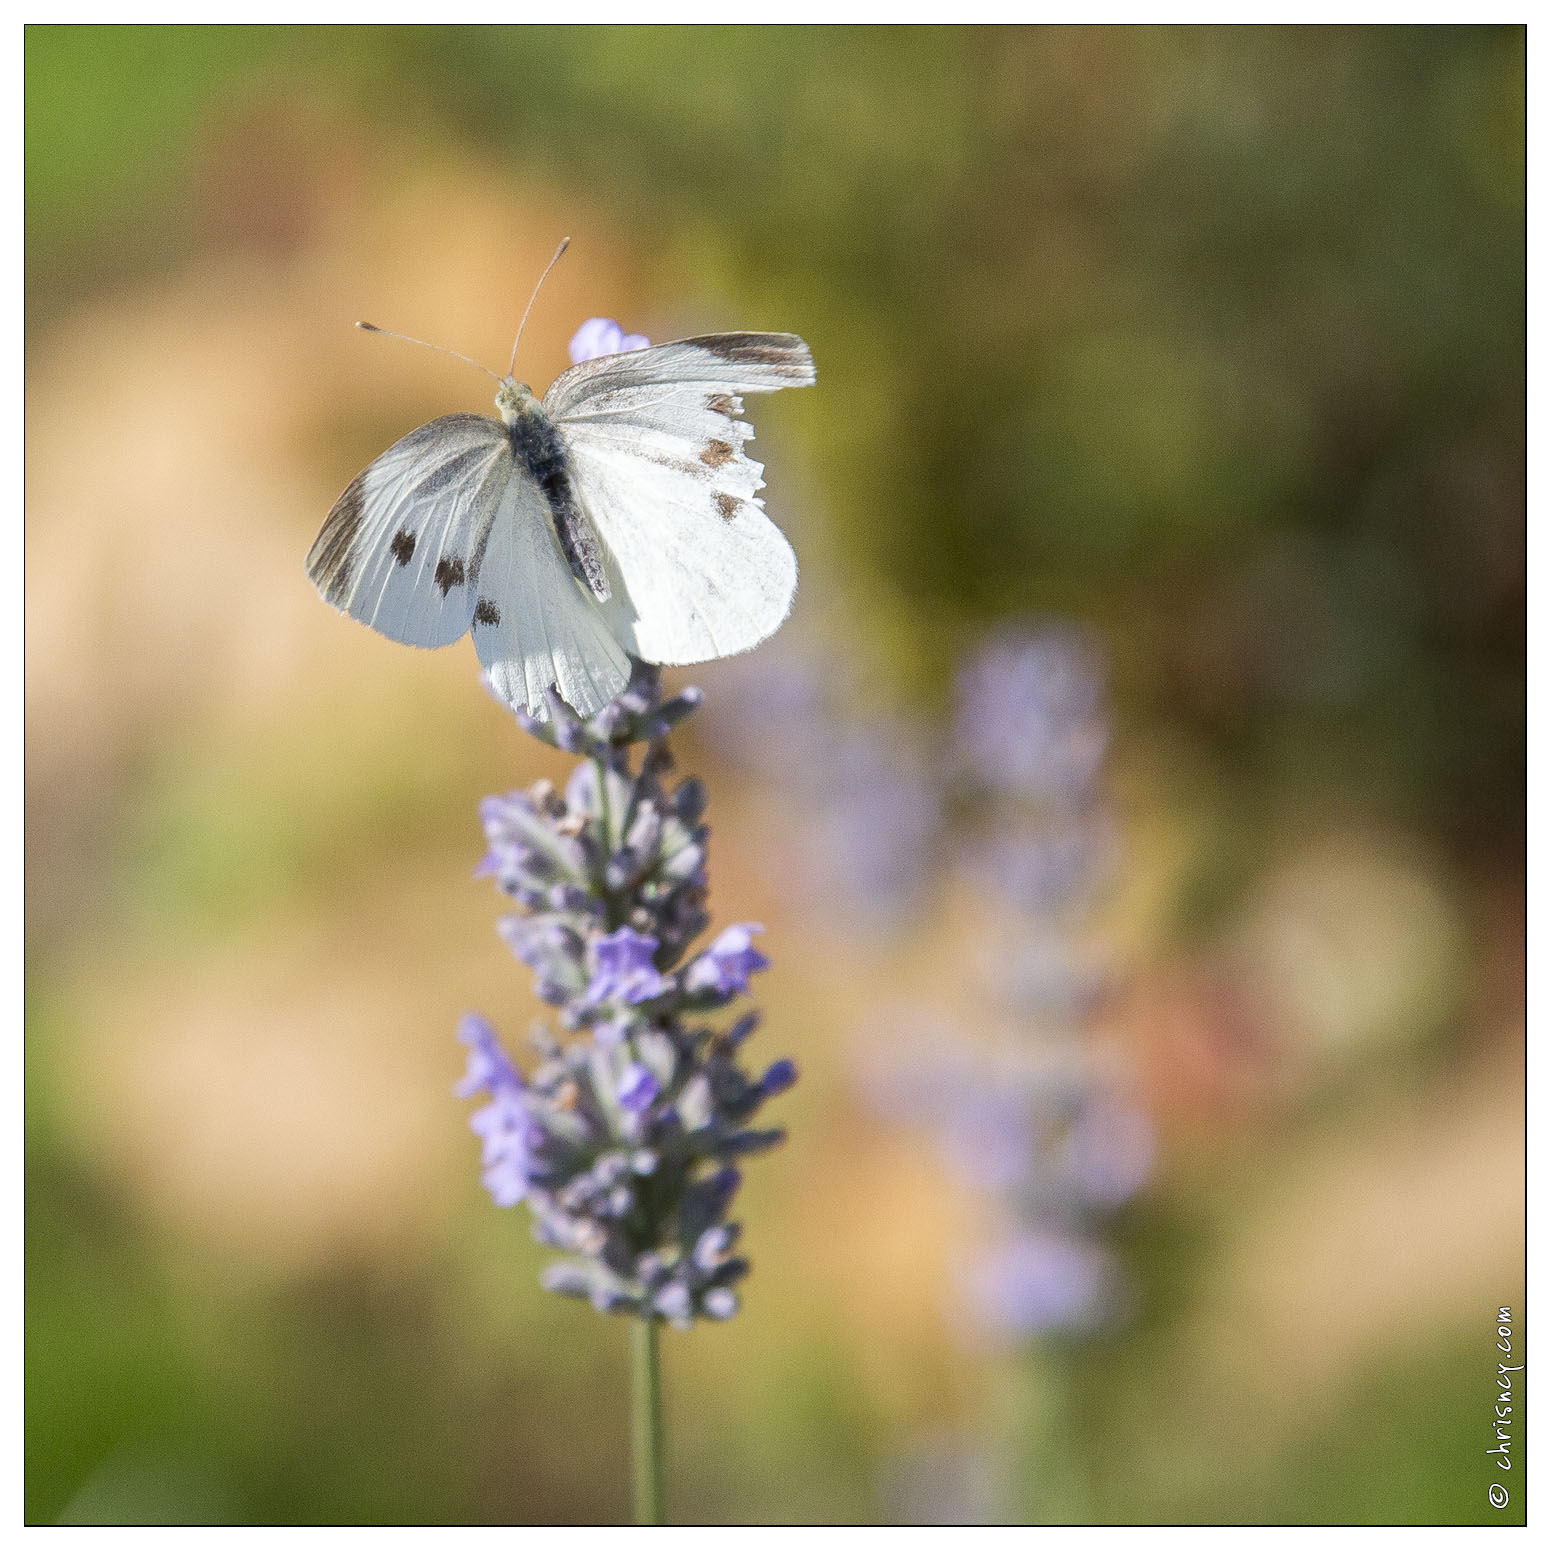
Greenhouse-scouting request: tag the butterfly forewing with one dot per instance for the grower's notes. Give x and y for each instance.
(402, 547)
(657, 449)
(535, 625)
(736, 363)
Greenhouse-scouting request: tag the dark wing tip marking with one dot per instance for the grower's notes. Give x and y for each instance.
(449, 573)
(727, 404)
(714, 454)
(727, 505)
(329, 562)
(486, 613)
(403, 546)
(784, 352)
(767, 348)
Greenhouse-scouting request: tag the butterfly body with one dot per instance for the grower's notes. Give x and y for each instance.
(616, 517)
(536, 444)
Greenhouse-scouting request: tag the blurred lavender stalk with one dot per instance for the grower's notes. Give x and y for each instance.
(1039, 1128)
(626, 1137)
(1033, 734)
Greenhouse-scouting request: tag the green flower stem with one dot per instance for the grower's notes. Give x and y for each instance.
(646, 1421)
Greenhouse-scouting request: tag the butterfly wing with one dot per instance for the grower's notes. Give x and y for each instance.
(656, 442)
(401, 549)
(535, 625)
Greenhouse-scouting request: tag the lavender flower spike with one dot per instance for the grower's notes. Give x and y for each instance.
(1038, 1123)
(625, 1138)
(603, 336)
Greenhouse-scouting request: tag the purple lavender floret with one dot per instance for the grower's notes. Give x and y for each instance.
(637, 1088)
(1040, 1282)
(504, 1128)
(623, 1138)
(1030, 718)
(503, 1125)
(625, 971)
(724, 968)
(490, 1069)
(779, 1076)
(603, 336)
(988, 1137)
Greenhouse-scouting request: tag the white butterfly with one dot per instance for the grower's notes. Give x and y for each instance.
(617, 515)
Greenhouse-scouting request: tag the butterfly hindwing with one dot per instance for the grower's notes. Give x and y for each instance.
(656, 440)
(401, 549)
(535, 625)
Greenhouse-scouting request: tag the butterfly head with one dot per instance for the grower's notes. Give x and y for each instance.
(514, 400)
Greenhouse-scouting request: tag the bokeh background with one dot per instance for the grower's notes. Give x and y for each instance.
(1207, 345)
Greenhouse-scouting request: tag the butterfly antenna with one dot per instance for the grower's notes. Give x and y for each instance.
(372, 328)
(565, 242)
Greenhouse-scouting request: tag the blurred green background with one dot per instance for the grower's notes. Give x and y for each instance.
(1211, 339)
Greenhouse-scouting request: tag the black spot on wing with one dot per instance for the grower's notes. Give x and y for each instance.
(403, 546)
(727, 505)
(715, 454)
(449, 573)
(486, 613)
